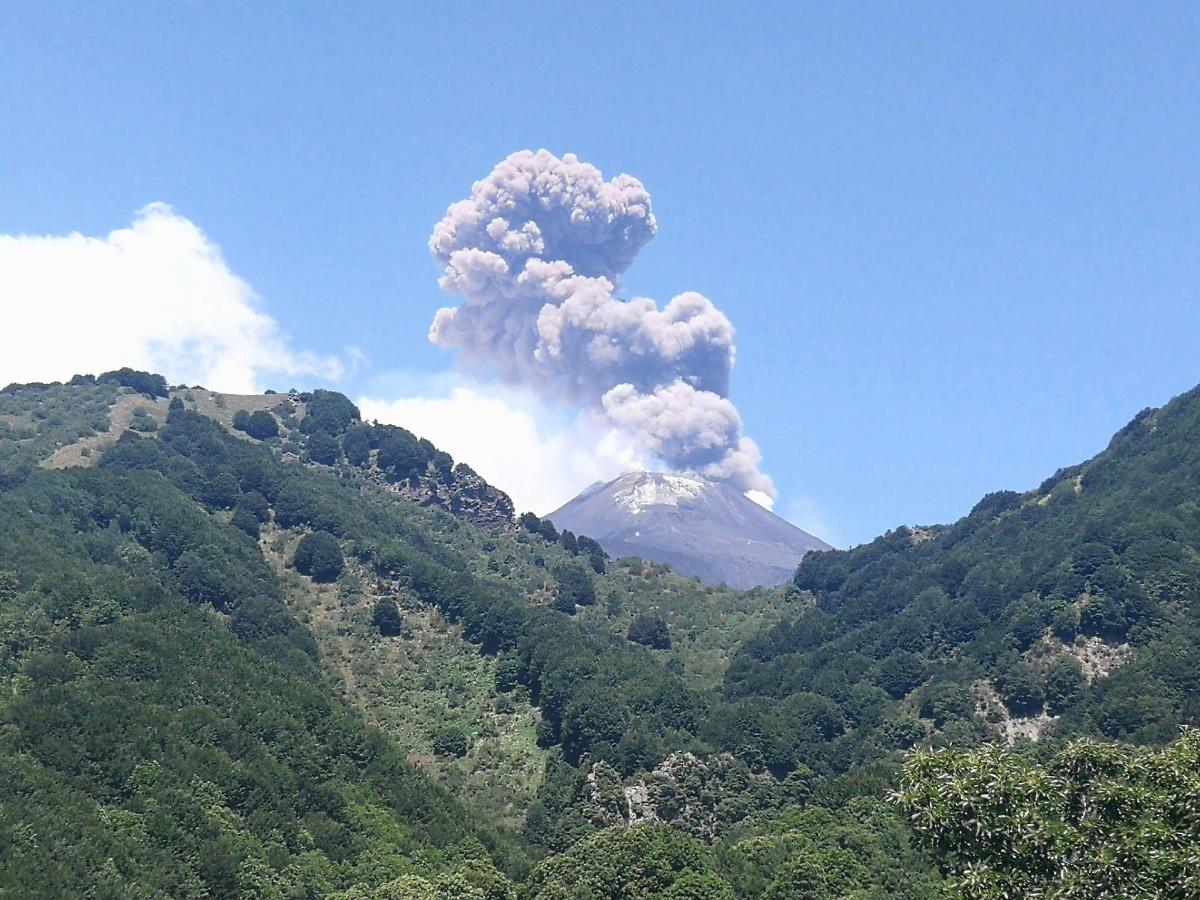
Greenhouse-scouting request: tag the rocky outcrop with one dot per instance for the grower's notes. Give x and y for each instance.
(700, 795)
(462, 494)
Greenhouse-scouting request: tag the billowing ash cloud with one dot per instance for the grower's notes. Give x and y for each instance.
(536, 252)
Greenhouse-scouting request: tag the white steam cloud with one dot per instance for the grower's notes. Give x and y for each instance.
(157, 295)
(537, 251)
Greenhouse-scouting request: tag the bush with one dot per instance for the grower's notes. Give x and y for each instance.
(323, 448)
(1064, 681)
(450, 740)
(319, 556)
(245, 521)
(650, 630)
(387, 618)
(142, 382)
(255, 504)
(573, 586)
(1021, 689)
(261, 425)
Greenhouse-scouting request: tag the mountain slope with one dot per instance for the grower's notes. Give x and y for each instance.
(1070, 609)
(698, 527)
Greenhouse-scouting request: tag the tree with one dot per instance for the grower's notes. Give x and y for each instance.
(645, 861)
(319, 555)
(573, 585)
(323, 448)
(327, 411)
(399, 454)
(699, 886)
(255, 504)
(387, 618)
(508, 674)
(1021, 688)
(569, 543)
(1096, 821)
(142, 382)
(1064, 681)
(262, 425)
(548, 531)
(356, 444)
(245, 521)
(900, 673)
(650, 630)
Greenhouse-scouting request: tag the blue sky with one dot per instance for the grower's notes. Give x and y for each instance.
(959, 242)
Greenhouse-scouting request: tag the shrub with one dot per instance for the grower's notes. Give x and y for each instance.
(574, 585)
(450, 740)
(651, 631)
(323, 448)
(387, 618)
(262, 425)
(319, 556)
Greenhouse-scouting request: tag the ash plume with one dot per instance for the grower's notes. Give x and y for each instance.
(537, 252)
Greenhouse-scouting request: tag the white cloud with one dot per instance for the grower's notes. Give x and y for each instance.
(540, 459)
(157, 295)
(762, 498)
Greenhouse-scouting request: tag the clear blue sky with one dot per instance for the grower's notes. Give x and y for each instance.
(960, 242)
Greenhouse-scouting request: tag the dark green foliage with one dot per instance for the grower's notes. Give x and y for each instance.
(154, 749)
(319, 555)
(387, 618)
(573, 586)
(142, 382)
(254, 504)
(1022, 690)
(327, 411)
(323, 448)
(946, 701)
(245, 521)
(622, 864)
(508, 674)
(259, 424)
(357, 443)
(1063, 683)
(220, 490)
(1104, 550)
(900, 673)
(399, 454)
(119, 568)
(650, 630)
(450, 740)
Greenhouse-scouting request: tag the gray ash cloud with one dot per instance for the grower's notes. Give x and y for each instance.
(536, 253)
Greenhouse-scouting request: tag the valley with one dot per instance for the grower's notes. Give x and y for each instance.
(463, 707)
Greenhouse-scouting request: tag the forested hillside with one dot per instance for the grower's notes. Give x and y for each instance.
(256, 646)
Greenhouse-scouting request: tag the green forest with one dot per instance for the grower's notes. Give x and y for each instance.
(240, 658)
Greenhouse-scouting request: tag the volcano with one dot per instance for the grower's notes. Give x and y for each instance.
(698, 527)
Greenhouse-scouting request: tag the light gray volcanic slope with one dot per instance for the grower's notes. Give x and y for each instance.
(699, 527)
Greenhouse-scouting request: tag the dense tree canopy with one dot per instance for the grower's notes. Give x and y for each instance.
(169, 729)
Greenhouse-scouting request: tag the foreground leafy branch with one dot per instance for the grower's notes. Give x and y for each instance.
(1097, 821)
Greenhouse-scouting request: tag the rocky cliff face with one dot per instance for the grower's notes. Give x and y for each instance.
(698, 527)
(465, 495)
